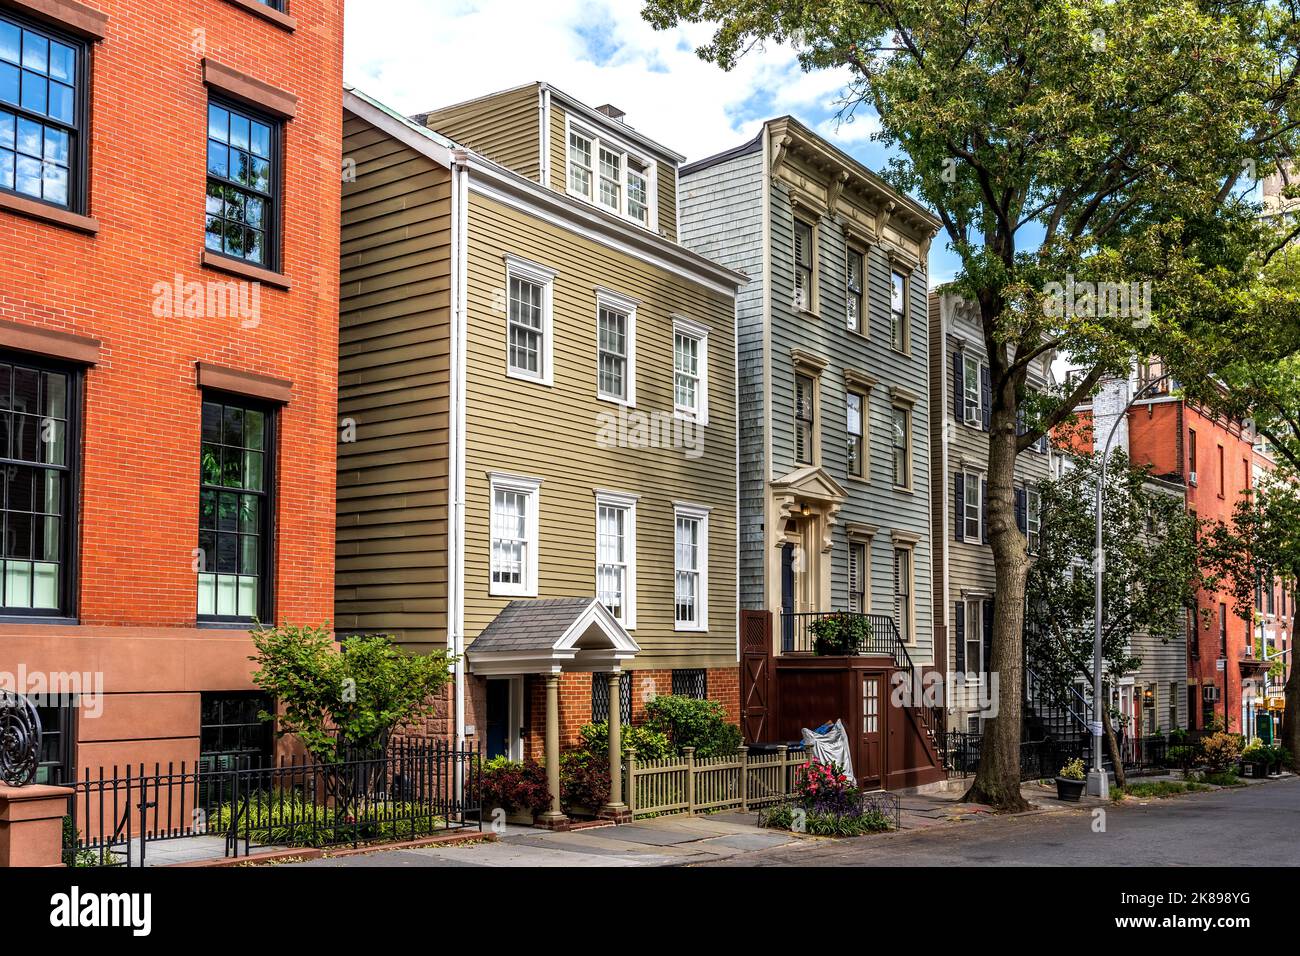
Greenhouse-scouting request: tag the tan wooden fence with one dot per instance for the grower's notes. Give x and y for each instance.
(687, 784)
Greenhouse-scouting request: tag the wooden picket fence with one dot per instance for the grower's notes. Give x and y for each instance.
(687, 784)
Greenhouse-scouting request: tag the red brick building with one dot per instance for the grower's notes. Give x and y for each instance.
(1214, 459)
(169, 231)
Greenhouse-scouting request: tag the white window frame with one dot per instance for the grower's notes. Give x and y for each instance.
(971, 403)
(626, 306)
(910, 549)
(612, 144)
(973, 609)
(906, 318)
(691, 329)
(906, 412)
(971, 479)
(864, 455)
(626, 503)
(531, 488)
(526, 271)
(699, 514)
(1033, 520)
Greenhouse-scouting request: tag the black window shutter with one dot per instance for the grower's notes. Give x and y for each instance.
(986, 395)
(1020, 510)
(984, 511)
(958, 388)
(959, 510)
(988, 635)
(961, 637)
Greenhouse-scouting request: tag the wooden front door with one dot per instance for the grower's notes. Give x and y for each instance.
(868, 763)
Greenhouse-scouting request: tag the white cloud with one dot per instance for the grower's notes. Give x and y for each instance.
(415, 55)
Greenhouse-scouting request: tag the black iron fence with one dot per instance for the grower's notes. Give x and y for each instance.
(414, 787)
(960, 753)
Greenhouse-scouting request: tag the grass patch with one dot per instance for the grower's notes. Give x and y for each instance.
(786, 816)
(1224, 779)
(1160, 789)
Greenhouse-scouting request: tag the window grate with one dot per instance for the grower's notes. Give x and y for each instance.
(600, 698)
(691, 682)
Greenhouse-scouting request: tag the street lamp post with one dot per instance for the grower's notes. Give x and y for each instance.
(1098, 781)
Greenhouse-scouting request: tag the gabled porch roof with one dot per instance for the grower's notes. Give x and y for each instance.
(549, 636)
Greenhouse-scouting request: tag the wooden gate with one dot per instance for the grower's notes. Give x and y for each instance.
(755, 674)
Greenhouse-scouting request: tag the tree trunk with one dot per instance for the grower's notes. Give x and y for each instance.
(997, 782)
(1291, 696)
(1112, 746)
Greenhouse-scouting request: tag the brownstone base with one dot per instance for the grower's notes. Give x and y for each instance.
(553, 823)
(617, 815)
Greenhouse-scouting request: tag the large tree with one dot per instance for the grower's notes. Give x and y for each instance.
(1153, 572)
(1104, 141)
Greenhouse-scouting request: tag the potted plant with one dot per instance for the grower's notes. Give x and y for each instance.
(1281, 758)
(838, 634)
(1256, 758)
(1069, 781)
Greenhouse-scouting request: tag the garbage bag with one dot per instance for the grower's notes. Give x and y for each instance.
(830, 746)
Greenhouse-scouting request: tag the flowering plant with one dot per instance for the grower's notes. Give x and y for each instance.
(824, 787)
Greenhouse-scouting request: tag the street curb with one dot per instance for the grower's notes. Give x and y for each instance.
(317, 853)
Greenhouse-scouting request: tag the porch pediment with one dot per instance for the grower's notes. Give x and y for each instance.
(551, 635)
(813, 483)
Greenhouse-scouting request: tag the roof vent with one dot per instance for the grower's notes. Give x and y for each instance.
(612, 111)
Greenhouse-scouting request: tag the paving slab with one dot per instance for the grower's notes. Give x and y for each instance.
(650, 836)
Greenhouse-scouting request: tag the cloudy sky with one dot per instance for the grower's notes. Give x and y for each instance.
(416, 55)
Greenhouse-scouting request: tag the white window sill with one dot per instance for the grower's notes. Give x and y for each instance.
(531, 379)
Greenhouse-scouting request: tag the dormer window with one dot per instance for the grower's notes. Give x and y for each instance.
(605, 173)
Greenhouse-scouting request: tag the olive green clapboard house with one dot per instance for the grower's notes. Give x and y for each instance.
(538, 464)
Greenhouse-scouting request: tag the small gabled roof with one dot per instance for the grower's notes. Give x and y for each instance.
(550, 635)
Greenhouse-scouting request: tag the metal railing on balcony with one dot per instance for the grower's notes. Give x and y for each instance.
(843, 633)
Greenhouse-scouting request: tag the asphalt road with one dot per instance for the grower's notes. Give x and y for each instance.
(1253, 826)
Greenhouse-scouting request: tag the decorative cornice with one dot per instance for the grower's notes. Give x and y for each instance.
(860, 379)
(808, 363)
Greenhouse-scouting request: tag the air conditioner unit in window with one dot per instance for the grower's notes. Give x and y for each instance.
(1191, 479)
(1209, 693)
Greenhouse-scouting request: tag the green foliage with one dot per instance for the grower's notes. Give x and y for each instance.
(688, 722)
(1073, 770)
(1153, 571)
(650, 744)
(1220, 752)
(839, 634)
(284, 819)
(788, 816)
(350, 696)
(1160, 789)
(71, 855)
(520, 787)
(584, 780)
(1221, 778)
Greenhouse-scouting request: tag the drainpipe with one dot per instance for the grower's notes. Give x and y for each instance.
(456, 424)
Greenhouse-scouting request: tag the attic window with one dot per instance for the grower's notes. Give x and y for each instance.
(607, 174)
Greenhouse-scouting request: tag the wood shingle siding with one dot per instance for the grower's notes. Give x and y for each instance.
(391, 540)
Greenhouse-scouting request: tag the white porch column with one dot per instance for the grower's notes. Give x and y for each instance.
(554, 817)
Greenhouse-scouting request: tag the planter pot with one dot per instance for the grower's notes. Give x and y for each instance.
(1069, 790)
(1259, 770)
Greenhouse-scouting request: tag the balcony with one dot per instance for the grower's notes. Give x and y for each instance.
(843, 634)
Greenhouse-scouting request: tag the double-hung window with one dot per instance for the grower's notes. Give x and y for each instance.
(902, 447)
(690, 370)
(803, 265)
(974, 638)
(856, 405)
(43, 84)
(898, 312)
(972, 512)
(903, 592)
(1033, 520)
(243, 184)
(604, 172)
(616, 556)
(854, 282)
(513, 558)
(236, 479)
(970, 384)
(528, 320)
(805, 406)
(615, 348)
(690, 568)
(38, 445)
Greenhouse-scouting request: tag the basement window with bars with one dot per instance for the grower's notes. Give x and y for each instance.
(42, 113)
(692, 682)
(243, 184)
(236, 479)
(38, 458)
(600, 698)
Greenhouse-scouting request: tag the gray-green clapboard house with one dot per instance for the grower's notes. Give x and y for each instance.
(832, 371)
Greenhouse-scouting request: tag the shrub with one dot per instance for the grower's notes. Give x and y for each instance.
(688, 722)
(1160, 789)
(286, 819)
(1224, 779)
(584, 781)
(1073, 770)
(1220, 751)
(650, 744)
(1257, 752)
(789, 816)
(519, 787)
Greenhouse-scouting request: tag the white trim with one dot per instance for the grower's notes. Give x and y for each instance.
(530, 487)
(978, 484)
(597, 141)
(543, 276)
(544, 114)
(627, 503)
(459, 285)
(690, 328)
(978, 420)
(626, 306)
(699, 513)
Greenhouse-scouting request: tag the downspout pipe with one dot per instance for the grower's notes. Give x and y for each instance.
(456, 427)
